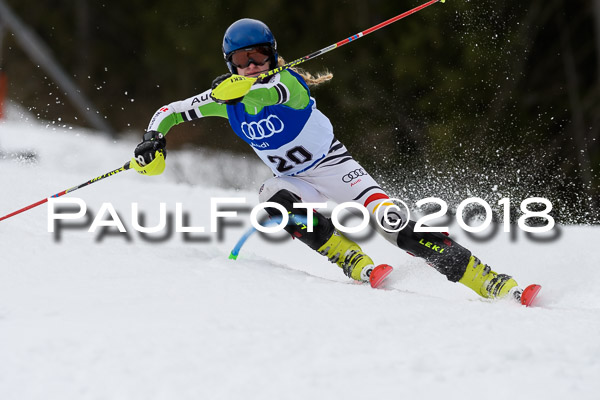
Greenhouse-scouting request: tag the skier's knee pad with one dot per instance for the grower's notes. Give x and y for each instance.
(438, 250)
(322, 227)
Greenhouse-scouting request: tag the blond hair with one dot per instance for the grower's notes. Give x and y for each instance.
(309, 78)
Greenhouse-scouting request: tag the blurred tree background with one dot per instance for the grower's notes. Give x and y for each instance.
(467, 98)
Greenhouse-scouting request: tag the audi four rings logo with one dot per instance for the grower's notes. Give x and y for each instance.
(262, 129)
(352, 175)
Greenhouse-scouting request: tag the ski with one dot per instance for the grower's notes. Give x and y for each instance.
(529, 294)
(379, 274)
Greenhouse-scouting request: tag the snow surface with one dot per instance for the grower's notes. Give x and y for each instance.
(116, 316)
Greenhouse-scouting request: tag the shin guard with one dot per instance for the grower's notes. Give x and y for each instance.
(438, 250)
(322, 227)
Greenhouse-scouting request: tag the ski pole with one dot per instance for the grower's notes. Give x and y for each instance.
(348, 40)
(111, 173)
(226, 91)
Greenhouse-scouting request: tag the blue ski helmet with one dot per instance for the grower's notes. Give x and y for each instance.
(246, 33)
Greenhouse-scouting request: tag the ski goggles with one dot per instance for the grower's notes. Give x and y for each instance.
(255, 55)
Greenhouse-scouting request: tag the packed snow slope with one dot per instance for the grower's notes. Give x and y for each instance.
(109, 315)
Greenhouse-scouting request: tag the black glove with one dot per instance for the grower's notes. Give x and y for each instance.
(145, 151)
(215, 83)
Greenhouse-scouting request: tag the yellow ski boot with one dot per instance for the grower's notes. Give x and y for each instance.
(348, 256)
(486, 282)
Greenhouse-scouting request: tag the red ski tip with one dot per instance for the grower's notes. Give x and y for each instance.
(379, 274)
(529, 294)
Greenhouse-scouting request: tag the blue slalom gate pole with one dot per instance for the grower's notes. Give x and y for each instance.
(238, 246)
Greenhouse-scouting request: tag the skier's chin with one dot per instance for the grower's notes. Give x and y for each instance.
(255, 74)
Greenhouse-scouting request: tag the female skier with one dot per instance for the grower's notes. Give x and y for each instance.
(280, 120)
